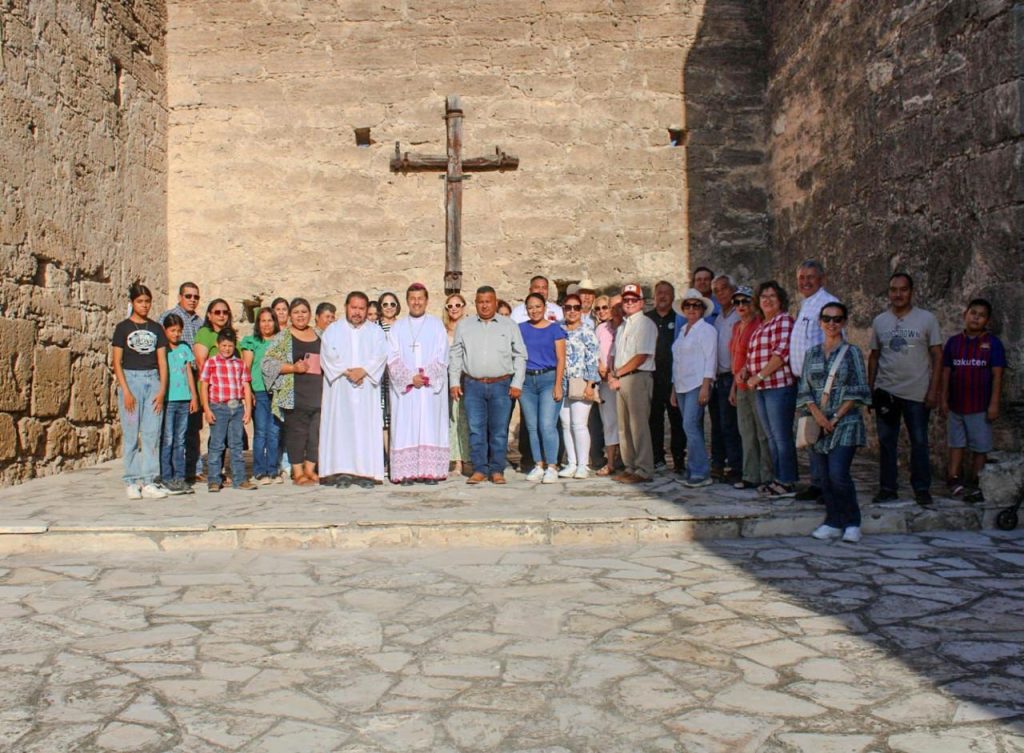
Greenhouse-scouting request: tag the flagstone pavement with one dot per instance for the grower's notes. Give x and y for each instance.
(902, 644)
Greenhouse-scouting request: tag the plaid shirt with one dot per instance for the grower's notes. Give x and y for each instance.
(771, 339)
(192, 323)
(226, 378)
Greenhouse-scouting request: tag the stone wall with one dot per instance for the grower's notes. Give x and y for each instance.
(269, 194)
(82, 175)
(896, 144)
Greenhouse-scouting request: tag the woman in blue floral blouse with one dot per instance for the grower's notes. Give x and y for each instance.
(838, 415)
(580, 364)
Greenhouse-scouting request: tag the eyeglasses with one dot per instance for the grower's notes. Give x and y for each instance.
(693, 305)
(389, 305)
(838, 319)
(741, 301)
(220, 312)
(453, 306)
(572, 307)
(601, 308)
(191, 296)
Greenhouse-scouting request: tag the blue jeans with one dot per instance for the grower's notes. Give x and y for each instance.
(730, 450)
(172, 451)
(776, 408)
(915, 415)
(228, 426)
(488, 407)
(265, 436)
(841, 508)
(697, 467)
(540, 413)
(140, 429)
(816, 463)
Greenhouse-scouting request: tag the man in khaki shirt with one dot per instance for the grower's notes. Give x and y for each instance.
(631, 377)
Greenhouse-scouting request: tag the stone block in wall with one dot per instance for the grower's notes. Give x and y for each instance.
(90, 392)
(8, 437)
(30, 435)
(51, 381)
(61, 439)
(17, 340)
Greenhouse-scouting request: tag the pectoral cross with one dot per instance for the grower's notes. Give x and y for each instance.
(455, 168)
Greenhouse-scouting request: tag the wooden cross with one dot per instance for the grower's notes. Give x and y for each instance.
(454, 166)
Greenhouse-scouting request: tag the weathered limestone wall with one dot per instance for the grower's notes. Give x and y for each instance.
(896, 144)
(269, 194)
(82, 175)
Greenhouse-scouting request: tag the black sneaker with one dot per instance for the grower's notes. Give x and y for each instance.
(885, 496)
(809, 494)
(660, 465)
(923, 498)
(973, 496)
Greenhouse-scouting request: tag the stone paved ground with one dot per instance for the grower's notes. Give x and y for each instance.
(905, 644)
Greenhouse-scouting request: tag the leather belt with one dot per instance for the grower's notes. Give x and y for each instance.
(489, 380)
(538, 372)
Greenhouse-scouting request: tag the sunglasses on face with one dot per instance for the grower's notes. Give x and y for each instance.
(630, 299)
(602, 308)
(693, 305)
(740, 301)
(191, 296)
(838, 319)
(389, 305)
(220, 312)
(453, 306)
(572, 307)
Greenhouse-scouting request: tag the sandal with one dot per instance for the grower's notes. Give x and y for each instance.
(604, 471)
(778, 490)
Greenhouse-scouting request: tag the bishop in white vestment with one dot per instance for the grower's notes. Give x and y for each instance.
(418, 373)
(353, 354)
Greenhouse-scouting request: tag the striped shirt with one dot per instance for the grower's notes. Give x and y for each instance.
(970, 361)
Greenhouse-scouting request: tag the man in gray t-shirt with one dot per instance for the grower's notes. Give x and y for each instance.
(904, 367)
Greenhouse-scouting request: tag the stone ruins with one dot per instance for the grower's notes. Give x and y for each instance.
(246, 145)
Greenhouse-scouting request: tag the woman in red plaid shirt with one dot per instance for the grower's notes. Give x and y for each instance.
(768, 372)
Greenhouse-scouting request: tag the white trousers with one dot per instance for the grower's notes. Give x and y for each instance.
(609, 414)
(574, 416)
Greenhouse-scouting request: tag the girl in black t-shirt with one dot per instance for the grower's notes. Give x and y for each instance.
(139, 348)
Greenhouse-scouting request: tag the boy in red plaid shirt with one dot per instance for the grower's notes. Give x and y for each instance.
(227, 405)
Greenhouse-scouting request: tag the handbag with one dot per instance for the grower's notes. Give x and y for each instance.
(578, 388)
(807, 430)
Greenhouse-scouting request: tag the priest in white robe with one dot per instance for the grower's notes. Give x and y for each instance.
(418, 373)
(353, 355)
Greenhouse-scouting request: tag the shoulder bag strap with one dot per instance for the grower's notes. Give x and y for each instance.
(832, 374)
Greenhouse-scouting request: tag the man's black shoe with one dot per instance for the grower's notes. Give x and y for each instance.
(364, 483)
(810, 494)
(885, 496)
(923, 498)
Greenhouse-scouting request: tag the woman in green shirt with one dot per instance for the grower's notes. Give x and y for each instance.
(218, 318)
(265, 431)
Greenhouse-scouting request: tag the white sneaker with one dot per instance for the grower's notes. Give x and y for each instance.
(581, 472)
(152, 491)
(536, 474)
(567, 472)
(550, 475)
(825, 532)
(852, 535)
(133, 491)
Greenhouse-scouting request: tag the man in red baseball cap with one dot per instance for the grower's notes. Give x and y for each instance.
(631, 377)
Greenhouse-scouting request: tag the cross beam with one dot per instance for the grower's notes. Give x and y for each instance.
(454, 167)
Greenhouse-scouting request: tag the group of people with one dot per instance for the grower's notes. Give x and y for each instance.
(354, 399)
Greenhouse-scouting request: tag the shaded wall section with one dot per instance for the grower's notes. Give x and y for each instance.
(83, 179)
(896, 144)
(725, 84)
(268, 187)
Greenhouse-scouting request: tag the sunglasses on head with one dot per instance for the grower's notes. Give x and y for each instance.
(572, 307)
(837, 319)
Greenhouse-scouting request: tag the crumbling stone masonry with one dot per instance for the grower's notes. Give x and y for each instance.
(215, 140)
(83, 132)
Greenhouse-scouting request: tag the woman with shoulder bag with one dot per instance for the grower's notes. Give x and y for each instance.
(582, 378)
(833, 387)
